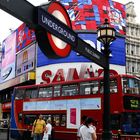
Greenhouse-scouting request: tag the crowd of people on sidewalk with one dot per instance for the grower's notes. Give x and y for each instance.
(42, 130)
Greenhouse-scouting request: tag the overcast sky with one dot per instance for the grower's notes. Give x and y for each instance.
(9, 22)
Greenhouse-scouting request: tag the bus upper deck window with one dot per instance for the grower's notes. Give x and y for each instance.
(31, 93)
(113, 86)
(45, 92)
(69, 90)
(57, 89)
(131, 85)
(89, 88)
(19, 94)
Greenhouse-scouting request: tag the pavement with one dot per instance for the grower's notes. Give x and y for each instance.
(3, 136)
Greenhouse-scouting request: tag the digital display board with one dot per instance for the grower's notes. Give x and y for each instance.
(8, 58)
(117, 52)
(88, 14)
(24, 37)
(131, 103)
(25, 60)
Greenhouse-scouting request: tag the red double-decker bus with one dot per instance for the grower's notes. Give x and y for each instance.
(65, 103)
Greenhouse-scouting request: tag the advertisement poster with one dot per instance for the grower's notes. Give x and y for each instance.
(117, 52)
(25, 60)
(89, 14)
(73, 114)
(8, 58)
(24, 37)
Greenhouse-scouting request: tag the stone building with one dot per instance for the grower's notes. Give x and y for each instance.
(132, 42)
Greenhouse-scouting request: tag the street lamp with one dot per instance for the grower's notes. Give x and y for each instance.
(106, 35)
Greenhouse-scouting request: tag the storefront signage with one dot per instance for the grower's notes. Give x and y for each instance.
(72, 74)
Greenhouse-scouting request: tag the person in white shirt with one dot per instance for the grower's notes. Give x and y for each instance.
(87, 131)
(83, 119)
(48, 131)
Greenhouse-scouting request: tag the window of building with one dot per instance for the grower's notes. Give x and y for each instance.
(132, 31)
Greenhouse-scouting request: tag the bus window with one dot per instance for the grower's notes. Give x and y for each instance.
(20, 117)
(131, 123)
(113, 86)
(69, 90)
(31, 93)
(131, 86)
(45, 92)
(19, 94)
(46, 117)
(89, 88)
(57, 89)
(29, 119)
(59, 120)
(101, 86)
(56, 119)
(63, 120)
(115, 121)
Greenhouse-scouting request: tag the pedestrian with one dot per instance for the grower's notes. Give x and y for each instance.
(82, 123)
(48, 131)
(38, 128)
(88, 131)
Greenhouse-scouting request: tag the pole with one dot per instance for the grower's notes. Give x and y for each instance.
(107, 135)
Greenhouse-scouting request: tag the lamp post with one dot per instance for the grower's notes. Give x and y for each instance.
(106, 35)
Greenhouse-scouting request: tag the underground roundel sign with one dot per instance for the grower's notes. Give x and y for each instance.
(53, 37)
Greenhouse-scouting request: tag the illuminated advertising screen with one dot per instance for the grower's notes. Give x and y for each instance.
(87, 15)
(24, 37)
(25, 60)
(8, 58)
(131, 103)
(117, 52)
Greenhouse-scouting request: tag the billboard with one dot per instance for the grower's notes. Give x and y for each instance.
(24, 37)
(8, 58)
(25, 60)
(88, 14)
(117, 52)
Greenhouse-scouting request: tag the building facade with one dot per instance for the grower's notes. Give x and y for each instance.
(132, 42)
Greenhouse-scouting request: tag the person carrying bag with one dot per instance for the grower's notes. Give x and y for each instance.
(38, 128)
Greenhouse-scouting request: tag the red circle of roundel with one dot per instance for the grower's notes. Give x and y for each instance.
(66, 50)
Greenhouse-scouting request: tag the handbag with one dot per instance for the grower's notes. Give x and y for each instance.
(45, 136)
